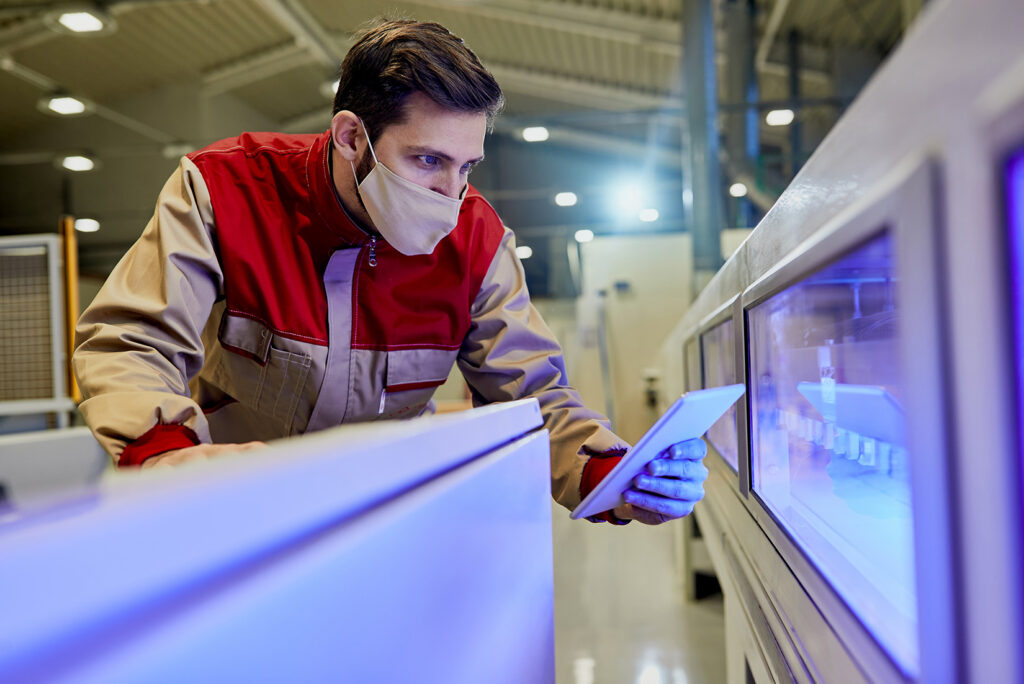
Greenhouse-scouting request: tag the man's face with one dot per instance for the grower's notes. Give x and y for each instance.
(434, 147)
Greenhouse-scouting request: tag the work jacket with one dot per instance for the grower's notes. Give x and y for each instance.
(253, 308)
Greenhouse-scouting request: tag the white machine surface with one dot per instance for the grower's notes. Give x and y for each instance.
(688, 418)
(400, 551)
(34, 464)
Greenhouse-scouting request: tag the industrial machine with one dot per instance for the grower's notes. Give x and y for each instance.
(863, 512)
(400, 551)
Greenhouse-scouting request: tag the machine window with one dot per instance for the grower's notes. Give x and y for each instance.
(828, 449)
(718, 346)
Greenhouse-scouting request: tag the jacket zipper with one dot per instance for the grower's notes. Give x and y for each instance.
(373, 251)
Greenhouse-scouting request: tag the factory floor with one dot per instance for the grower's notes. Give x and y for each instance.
(620, 615)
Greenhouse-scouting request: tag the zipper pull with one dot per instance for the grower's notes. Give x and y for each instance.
(373, 251)
(383, 396)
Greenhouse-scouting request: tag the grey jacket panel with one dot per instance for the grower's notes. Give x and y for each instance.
(510, 353)
(140, 342)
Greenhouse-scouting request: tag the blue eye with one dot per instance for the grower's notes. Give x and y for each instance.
(429, 160)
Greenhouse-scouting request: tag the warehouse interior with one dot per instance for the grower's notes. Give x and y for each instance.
(641, 144)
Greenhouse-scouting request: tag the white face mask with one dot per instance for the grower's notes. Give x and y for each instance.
(413, 219)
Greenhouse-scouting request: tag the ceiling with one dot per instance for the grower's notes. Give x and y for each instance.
(579, 65)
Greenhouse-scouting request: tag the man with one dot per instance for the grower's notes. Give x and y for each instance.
(290, 283)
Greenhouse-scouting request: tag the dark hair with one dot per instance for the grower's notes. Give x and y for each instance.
(393, 59)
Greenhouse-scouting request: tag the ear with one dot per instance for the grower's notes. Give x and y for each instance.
(347, 135)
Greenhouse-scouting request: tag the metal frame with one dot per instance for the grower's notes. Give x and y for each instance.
(905, 207)
(726, 312)
(689, 384)
(992, 564)
(52, 245)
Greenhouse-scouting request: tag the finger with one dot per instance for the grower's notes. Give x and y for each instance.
(670, 508)
(691, 449)
(670, 488)
(683, 470)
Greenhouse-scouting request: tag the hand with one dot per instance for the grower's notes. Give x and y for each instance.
(199, 452)
(669, 488)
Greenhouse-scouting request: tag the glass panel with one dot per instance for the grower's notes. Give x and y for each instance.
(718, 346)
(691, 357)
(829, 457)
(1015, 226)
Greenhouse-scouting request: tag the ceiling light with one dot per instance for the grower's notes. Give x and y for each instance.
(63, 105)
(66, 105)
(87, 225)
(584, 235)
(779, 117)
(78, 163)
(738, 190)
(524, 251)
(648, 215)
(629, 199)
(80, 19)
(81, 22)
(566, 199)
(535, 134)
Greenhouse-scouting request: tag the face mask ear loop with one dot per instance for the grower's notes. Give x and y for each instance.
(367, 134)
(374, 154)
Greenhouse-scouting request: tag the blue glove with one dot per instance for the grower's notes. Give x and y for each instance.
(670, 487)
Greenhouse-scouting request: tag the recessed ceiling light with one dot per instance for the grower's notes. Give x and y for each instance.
(65, 105)
(648, 215)
(524, 251)
(77, 162)
(535, 134)
(738, 190)
(584, 235)
(87, 225)
(81, 22)
(62, 104)
(80, 19)
(779, 117)
(566, 199)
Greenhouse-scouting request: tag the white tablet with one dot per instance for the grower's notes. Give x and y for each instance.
(688, 418)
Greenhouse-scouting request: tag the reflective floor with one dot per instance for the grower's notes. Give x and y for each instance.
(620, 616)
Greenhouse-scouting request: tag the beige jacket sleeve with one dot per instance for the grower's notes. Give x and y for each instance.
(140, 341)
(510, 353)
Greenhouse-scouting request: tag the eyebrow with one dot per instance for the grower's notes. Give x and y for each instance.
(415, 149)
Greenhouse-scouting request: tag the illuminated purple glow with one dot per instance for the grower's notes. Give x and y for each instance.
(1015, 233)
(828, 455)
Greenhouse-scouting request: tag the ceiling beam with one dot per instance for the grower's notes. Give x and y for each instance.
(254, 68)
(308, 32)
(584, 94)
(666, 157)
(48, 85)
(656, 35)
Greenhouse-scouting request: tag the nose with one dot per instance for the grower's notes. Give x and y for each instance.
(449, 183)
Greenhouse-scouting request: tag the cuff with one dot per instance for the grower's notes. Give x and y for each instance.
(159, 439)
(599, 465)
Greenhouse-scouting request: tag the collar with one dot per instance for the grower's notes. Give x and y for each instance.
(324, 196)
